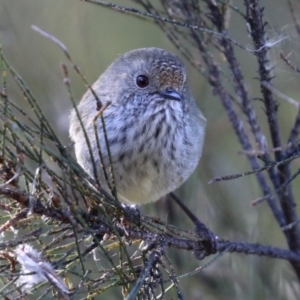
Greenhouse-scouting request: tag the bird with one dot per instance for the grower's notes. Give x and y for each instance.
(154, 129)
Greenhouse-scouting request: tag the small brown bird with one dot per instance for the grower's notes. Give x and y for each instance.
(154, 127)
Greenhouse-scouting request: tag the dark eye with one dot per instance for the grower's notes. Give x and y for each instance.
(142, 81)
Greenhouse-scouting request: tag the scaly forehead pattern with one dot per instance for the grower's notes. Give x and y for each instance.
(170, 73)
(165, 70)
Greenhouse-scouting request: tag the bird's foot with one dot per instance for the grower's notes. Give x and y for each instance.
(132, 211)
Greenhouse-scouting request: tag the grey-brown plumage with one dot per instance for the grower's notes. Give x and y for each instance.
(155, 130)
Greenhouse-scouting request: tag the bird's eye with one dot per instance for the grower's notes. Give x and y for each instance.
(142, 81)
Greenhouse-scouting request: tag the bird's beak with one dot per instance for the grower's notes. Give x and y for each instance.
(171, 94)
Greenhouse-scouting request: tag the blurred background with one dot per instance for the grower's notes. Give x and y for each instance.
(95, 36)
